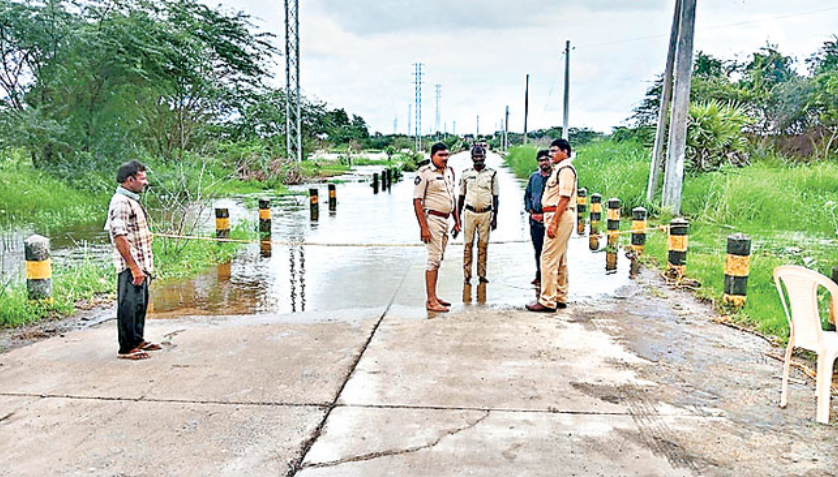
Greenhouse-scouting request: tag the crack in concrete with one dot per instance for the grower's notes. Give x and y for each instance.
(507, 410)
(397, 452)
(297, 464)
(169, 401)
(7, 416)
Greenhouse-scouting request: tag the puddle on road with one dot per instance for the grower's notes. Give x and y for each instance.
(282, 279)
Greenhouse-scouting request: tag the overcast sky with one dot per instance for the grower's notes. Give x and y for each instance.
(358, 54)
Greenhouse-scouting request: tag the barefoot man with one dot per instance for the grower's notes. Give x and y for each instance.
(433, 201)
(127, 225)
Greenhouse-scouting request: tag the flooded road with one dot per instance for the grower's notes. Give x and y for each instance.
(286, 279)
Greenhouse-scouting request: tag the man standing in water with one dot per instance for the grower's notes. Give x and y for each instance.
(479, 196)
(532, 204)
(127, 225)
(433, 201)
(559, 206)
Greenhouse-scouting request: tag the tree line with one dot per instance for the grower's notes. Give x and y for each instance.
(85, 82)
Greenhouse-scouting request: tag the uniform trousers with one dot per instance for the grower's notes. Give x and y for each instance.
(438, 227)
(554, 260)
(537, 235)
(478, 224)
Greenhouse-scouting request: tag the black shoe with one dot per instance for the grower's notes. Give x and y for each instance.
(483, 280)
(561, 305)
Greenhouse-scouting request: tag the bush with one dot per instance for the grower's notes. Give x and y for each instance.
(715, 136)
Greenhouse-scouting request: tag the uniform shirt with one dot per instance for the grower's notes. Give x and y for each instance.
(562, 183)
(479, 187)
(127, 217)
(435, 188)
(535, 189)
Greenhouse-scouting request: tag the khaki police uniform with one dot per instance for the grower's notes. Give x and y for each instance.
(562, 183)
(436, 189)
(479, 188)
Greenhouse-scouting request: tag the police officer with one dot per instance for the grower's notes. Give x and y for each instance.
(479, 196)
(559, 205)
(433, 201)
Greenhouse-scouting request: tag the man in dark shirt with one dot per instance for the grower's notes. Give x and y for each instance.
(532, 204)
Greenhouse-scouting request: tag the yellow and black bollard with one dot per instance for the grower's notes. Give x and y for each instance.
(265, 216)
(314, 204)
(581, 209)
(38, 269)
(833, 313)
(596, 216)
(638, 230)
(222, 223)
(613, 226)
(265, 248)
(333, 198)
(677, 245)
(737, 269)
(375, 183)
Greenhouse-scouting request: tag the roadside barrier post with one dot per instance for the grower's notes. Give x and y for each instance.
(389, 173)
(265, 216)
(677, 245)
(581, 209)
(265, 248)
(38, 268)
(613, 226)
(375, 183)
(314, 204)
(596, 216)
(333, 198)
(222, 223)
(833, 313)
(638, 230)
(737, 269)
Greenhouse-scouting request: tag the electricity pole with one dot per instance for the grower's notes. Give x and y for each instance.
(454, 128)
(438, 88)
(673, 180)
(526, 106)
(506, 130)
(565, 133)
(478, 127)
(293, 117)
(409, 116)
(417, 83)
(663, 113)
(395, 125)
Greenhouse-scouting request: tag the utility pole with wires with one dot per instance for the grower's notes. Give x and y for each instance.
(506, 130)
(438, 91)
(663, 113)
(395, 125)
(526, 106)
(478, 127)
(293, 108)
(565, 130)
(417, 83)
(673, 180)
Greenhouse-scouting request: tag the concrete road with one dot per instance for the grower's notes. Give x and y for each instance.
(642, 383)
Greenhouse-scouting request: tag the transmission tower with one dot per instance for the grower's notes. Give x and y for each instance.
(438, 88)
(417, 109)
(293, 117)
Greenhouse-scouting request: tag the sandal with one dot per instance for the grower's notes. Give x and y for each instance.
(136, 355)
(146, 346)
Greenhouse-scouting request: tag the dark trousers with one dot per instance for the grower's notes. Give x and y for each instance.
(537, 234)
(132, 304)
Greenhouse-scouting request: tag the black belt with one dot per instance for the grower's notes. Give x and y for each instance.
(439, 214)
(479, 211)
(554, 208)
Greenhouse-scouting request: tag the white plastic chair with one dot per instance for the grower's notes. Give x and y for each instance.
(805, 324)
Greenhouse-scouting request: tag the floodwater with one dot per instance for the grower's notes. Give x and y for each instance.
(287, 279)
(283, 279)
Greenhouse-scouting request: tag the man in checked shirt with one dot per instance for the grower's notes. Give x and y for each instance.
(127, 225)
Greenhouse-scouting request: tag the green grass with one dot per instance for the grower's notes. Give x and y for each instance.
(788, 210)
(28, 195)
